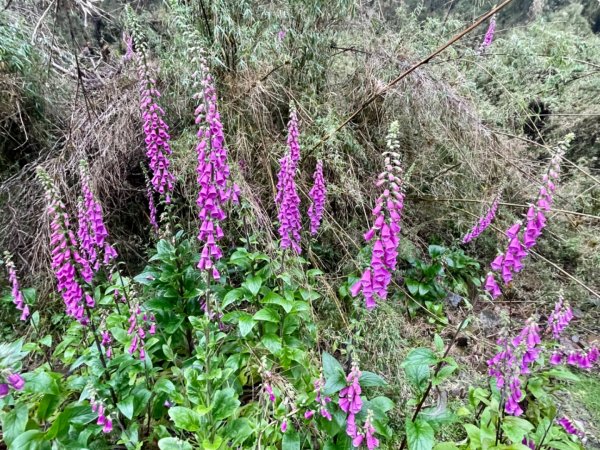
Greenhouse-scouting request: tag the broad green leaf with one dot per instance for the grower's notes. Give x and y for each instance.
(423, 289)
(13, 423)
(275, 299)
(31, 440)
(253, 284)
(126, 407)
(171, 443)
(232, 296)
(516, 428)
(291, 440)
(420, 356)
(272, 342)
(419, 435)
(186, 418)
(381, 403)
(212, 445)
(370, 379)
(225, 403)
(40, 383)
(47, 406)
(267, 315)
(412, 285)
(245, 323)
(335, 378)
(443, 374)
(436, 250)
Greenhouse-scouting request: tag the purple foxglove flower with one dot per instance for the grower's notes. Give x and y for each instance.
(483, 222)
(269, 391)
(284, 426)
(560, 318)
(350, 401)
(317, 195)
(372, 441)
(287, 199)
(570, 427)
(158, 149)
(308, 414)
(16, 293)
(4, 390)
(107, 428)
(92, 232)
(489, 36)
(70, 268)
(213, 174)
(16, 381)
(385, 232)
(492, 286)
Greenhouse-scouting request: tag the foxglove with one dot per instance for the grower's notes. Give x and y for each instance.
(489, 36)
(483, 223)
(215, 187)
(385, 232)
(317, 196)
(70, 268)
(16, 293)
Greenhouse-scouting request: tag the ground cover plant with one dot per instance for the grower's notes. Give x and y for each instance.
(299, 225)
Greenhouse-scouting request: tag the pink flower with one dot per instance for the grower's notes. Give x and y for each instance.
(16, 293)
(213, 174)
(483, 222)
(317, 195)
(385, 234)
(489, 35)
(4, 390)
(570, 427)
(284, 426)
(16, 381)
(350, 401)
(492, 286)
(308, 414)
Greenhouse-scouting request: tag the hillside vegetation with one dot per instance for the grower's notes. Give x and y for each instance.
(303, 224)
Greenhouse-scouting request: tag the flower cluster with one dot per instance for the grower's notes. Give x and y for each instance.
(139, 324)
(287, 199)
(104, 419)
(321, 399)
(92, 232)
(385, 233)
(570, 427)
(368, 433)
(68, 264)
(106, 340)
(489, 35)
(560, 317)
(515, 359)
(582, 359)
(17, 295)
(510, 262)
(483, 223)
(156, 130)
(317, 194)
(13, 380)
(215, 189)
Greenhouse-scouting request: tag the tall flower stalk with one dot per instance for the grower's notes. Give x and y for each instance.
(287, 199)
(489, 36)
(71, 269)
(213, 174)
(92, 232)
(520, 241)
(318, 195)
(16, 293)
(483, 222)
(385, 232)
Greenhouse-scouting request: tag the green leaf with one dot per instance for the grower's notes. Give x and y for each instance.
(224, 404)
(516, 428)
(291, 440)
(412, 285)
(381, 403)
(419, 435)
(245, 323)
(13, 424)
(420, 356)
(423, 289)
(267, 315)
(370, 379)
(214, 445)
(276, 299)
(186, 418)
(126, 407)
(436, 250)
(444, 373)
(272, 342)
(40, 383)
(232, 296)
(31, 440)
(253, 284)
(171, 443)
(47, 406)
(439, 343)
(46, 341)
(335, 378)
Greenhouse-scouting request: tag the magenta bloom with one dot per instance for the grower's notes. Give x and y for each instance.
(284, 426)
(16, 381)
(215, 188)
(322, 400)
(104, 419)
(492, 286)
(308, 414)
(139, 324)
(570, 427)
(489, 35)
(483, 223)
(17, 295)
(560, 318)
(287, 199)
(158, 149)
(514, 360)
(269, 391)
(70, 268)
(4, 390)
(317, 194)
(92, 232)
(350, 401)
(372, 441)
(385, 235)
